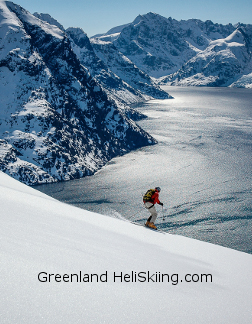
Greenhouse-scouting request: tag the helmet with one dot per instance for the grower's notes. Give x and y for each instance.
(158, 189)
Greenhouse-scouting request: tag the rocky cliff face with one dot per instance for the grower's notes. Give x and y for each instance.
(56, 121)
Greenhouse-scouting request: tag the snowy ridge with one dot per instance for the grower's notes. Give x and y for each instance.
(49, 19)
(41, 236)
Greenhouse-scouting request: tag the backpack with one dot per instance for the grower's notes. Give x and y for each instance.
(148, 195)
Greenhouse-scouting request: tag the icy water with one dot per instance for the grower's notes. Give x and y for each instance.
(202, 163)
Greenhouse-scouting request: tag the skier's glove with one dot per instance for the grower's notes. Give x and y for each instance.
(161, 204)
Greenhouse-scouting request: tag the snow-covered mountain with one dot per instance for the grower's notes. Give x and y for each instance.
(160, 46)
(120, 78)
(56, 121)
(202, 282)
(222, 63)
(121, 66)
(186, 52)
(127, 85)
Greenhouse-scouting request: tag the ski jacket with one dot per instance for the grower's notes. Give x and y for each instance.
(155, 198)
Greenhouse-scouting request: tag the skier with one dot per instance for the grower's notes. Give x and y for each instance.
(150, 199)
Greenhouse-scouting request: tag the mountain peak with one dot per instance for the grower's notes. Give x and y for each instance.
(150, 16)
(47, 18)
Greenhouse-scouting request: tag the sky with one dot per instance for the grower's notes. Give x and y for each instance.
(98, 16)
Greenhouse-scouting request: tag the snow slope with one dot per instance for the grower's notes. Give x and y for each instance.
(40, 234)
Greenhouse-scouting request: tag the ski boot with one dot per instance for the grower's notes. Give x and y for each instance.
(151, 225)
